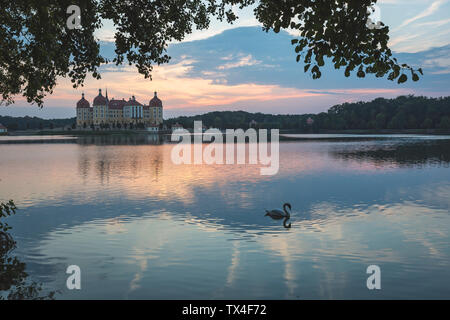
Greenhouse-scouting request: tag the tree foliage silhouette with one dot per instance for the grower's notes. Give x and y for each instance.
(14, 282)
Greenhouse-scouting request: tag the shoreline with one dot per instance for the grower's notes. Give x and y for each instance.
(81, 133)
(282, 131)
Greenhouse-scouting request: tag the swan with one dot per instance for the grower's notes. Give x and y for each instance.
(277, 214)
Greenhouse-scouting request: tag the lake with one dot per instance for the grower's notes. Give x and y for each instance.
(141, 227)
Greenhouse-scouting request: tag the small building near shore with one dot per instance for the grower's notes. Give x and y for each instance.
(3, 129)
(176, 127)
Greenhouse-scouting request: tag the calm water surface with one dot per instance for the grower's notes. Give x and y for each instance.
(141, 227)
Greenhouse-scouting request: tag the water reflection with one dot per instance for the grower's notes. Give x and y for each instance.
(14, 280)
(146, 228)
(145, 175)
(124, 139)
(403, 154)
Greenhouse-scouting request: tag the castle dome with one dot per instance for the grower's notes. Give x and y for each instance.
(83, 103)
(99, 100)
(155, 102)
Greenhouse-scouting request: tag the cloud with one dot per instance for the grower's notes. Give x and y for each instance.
(434, 23)
(403, 38)
(442, 64)
(421, 41)
(427, 12)
(244, 61)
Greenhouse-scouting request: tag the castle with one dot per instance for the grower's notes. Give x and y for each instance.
(118, 113)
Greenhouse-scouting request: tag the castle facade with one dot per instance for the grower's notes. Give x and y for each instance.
(118, 113)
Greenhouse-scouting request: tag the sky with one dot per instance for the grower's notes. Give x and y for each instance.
(240, 67)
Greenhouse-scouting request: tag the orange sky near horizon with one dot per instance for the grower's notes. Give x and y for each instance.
(181, 92)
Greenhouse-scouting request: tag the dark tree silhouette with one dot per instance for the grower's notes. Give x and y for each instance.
(14, 283)
(404, 112)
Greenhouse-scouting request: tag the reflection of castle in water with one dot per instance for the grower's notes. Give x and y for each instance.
(105, 164)
(123, 139)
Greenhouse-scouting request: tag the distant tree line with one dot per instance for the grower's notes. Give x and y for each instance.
(27, 123)
(404, 112)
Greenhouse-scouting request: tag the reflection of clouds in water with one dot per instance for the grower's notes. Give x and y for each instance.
(437, 194)
(241, 197)
(134, 172)
(182, 205)
(144, 249)
(286, 247)
(413, 225)
(142, 264)
(88, 172)
(152, 244)
(114, 226)
(350, 238)
(232, 269)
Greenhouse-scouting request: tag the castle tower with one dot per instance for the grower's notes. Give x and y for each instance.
(84, 115)
(100, 112)
(156, 110)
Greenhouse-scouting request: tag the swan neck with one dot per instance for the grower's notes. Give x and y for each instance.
(286, 211)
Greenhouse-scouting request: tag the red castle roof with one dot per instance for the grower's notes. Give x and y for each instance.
(82, 103)
(155, 102)
(100, 100)
(116, 104)
(132, 102)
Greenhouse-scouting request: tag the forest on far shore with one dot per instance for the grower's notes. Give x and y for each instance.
(34, 123)
(401, 113)
(404, 112)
